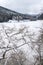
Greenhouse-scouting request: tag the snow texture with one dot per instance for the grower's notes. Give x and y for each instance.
(20, 36)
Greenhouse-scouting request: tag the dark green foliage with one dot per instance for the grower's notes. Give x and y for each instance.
(42, 62)
(40, 17)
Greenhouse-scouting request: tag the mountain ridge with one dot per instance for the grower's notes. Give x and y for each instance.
(7, 14)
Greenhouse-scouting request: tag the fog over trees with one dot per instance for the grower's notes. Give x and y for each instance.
(21, 45)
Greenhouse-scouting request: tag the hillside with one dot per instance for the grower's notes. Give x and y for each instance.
(7, 14)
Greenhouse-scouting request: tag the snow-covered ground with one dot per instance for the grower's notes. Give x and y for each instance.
(31, 32)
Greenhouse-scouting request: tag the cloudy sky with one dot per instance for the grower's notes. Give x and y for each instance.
(23, 6)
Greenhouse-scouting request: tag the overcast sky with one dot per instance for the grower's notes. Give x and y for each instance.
(24, 6)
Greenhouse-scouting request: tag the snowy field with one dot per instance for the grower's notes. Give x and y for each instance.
(15, 33)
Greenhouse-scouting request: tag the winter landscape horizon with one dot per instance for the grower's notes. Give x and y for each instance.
(21, 32)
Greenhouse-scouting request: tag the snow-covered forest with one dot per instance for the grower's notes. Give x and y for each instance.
(21, 43)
